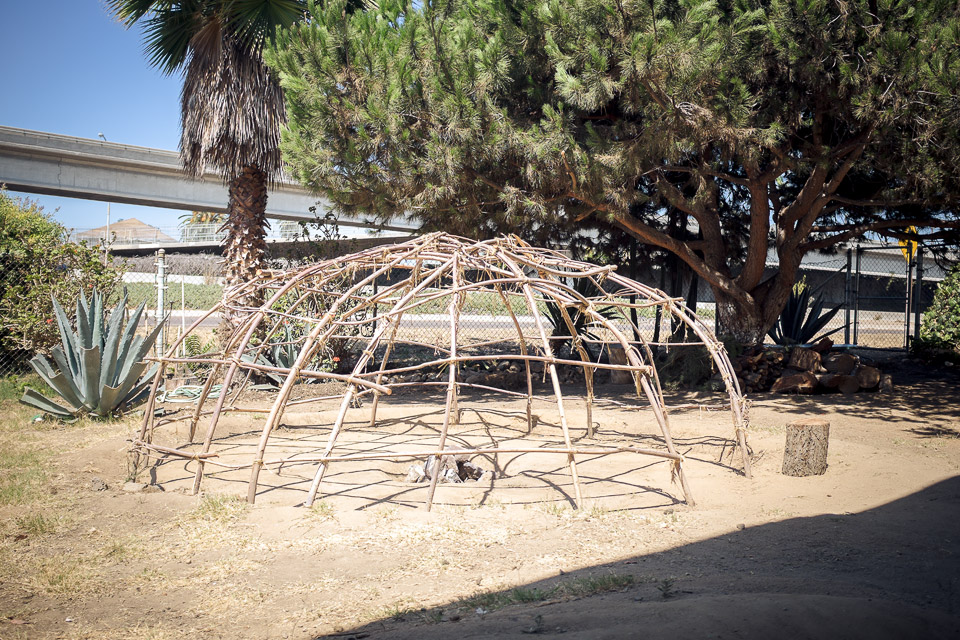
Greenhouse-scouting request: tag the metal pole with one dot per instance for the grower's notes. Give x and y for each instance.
(161, 288)
(847, 297)
(918, 294)
(909, 304)
(856, 299)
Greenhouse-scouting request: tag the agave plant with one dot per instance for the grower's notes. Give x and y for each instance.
(795, 326)
(282, 355)
(98, 369)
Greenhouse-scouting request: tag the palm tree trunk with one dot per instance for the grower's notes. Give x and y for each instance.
(245, 246)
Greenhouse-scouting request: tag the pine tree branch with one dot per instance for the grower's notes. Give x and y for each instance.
(842, 232)
(854, 202)
(685, 251)
(720, 175)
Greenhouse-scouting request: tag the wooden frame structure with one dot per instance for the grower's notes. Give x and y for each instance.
(339, 300)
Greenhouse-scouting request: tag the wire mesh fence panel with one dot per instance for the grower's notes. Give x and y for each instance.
(193, 285)
(883, 280)
(879, 295)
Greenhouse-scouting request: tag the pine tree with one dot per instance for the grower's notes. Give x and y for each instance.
(712, 129)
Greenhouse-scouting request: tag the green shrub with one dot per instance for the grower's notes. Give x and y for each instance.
(940, 326)
(38, 262)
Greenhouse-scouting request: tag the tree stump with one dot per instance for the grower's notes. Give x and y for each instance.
(619, 356)
(805, 453)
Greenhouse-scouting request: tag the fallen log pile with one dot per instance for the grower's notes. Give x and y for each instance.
(806, 370)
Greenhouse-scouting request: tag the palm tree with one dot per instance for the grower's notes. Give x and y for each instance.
(231, 106)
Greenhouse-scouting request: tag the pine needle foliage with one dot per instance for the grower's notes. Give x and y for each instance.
(791, 124)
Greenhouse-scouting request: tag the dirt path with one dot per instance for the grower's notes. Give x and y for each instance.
(867, 550)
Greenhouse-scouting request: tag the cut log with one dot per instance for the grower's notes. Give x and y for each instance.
(805, 452)
(774, 355)
(829, 381)
(823, 346)
(886, 383)
(619, 376)
(847, 384)
(840, 363)
(803, 382)
(869, 377)
(804, 360)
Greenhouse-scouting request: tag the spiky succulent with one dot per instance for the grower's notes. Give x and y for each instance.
(99, 368)
(795, 326)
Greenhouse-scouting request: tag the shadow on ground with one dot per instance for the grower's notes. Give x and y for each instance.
(889, 572)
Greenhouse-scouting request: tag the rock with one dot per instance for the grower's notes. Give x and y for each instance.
(152, 488)
(514, 367)
(840, 363)
(469, 471)
(415, 474)
(804, 359)
(98, 485)
(886, 383)
(715, 385)
(134, 487)
(823, 346)
(446, 462)
(868, 377)
(450, 476)
(473, 377)
(803, 382)
(495, 379)
(488, 476)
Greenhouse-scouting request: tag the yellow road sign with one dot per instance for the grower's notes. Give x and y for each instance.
(909, 247)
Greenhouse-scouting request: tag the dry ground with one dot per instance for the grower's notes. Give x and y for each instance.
(868, 550)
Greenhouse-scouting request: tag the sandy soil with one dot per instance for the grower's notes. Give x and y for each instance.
(868, 550)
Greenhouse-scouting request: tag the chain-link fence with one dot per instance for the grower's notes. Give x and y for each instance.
(881, 297)
(890, 289)
(180, 286)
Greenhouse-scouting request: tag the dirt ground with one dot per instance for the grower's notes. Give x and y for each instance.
(867, 550)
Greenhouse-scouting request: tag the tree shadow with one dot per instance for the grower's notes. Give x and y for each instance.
(888, 572)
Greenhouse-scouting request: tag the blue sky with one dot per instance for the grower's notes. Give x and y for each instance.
(71, 69)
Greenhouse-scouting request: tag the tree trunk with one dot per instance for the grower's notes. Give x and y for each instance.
(742, 322)
(245, 246)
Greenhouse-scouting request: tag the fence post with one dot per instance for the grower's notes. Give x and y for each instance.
(856, 298)
(847, 297)
(161, 288)
(918, 294)
(909, 304)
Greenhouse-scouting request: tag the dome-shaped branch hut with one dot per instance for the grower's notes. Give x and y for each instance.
(547, 304)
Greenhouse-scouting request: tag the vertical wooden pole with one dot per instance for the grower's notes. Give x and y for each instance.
(450, 406)
(552, 368)
(361, 363)
(523, 351)
(585, 357)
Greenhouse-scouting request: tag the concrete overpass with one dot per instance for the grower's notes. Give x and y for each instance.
(52, 164)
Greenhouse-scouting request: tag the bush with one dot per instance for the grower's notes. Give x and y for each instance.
(37, 262)
(940, 326)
